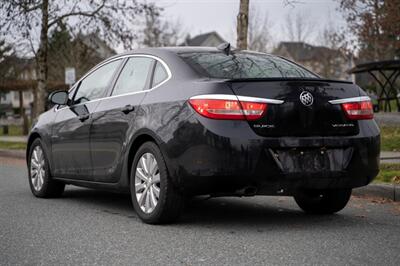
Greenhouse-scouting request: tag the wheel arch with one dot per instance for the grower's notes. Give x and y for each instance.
(135, 145)
(31, 138)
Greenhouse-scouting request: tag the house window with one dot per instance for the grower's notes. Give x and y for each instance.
(16, 96)
(27, 95)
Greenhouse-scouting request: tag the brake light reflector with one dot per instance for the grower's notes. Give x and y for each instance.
(252, 110)
(358, 110)
(230, 108)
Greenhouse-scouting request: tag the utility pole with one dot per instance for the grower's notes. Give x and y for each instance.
(242, 24)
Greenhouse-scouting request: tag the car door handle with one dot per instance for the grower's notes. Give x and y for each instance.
(83, 117)
(127, 109)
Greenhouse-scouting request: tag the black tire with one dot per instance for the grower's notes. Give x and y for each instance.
(170, 202)
(50, 188)
(323, 201)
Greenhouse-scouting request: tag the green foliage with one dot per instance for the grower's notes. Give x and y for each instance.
(389, 173)
(390, 138)
(375, 24)
(64, 52)
(12, 131)
(5, 50)
(12, 145)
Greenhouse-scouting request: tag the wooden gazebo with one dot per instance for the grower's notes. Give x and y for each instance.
(27, 85)
(385, 74)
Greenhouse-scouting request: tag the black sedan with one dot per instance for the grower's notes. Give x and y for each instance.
(165, 124)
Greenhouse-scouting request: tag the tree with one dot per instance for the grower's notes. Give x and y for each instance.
(333, 52)
(298, 27)
(67, 50)
(260, 37)
(5, 50)
(376, 26)
(158, 32)
(112, 20)
(328, 36)
(242, 25)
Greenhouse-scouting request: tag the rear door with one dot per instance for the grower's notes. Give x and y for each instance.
(305, 110)
(114, 118)
(70, 138)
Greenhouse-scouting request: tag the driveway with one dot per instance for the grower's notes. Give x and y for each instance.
(95, 227)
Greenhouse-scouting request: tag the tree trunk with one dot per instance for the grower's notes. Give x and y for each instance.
(21, 104)
(42, 61)
(25, 128)
(34, 105)
(242, 24)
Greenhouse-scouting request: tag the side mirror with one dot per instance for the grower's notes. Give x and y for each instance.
(59, 97)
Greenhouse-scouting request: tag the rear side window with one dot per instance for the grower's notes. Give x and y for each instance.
(244, 65)
(160, 74)
(95, 85)
(133, 76)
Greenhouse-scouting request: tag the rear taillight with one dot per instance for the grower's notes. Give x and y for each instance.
(227, 107)
(358, 110)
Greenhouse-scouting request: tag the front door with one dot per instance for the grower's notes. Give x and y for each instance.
(70, 133)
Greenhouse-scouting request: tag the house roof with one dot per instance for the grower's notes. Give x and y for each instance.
(301, 51)
(200, 39)
(94, 42)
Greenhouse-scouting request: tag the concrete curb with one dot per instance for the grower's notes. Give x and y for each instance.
(389, 158)
(20, 154)
(386, 191)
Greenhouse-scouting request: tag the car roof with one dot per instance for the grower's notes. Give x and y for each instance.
(176, 49)
(165, 51)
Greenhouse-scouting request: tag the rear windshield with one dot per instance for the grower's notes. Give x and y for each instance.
(244, 65)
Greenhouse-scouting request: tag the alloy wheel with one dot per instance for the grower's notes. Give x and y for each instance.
(37, 168)
(147, 183)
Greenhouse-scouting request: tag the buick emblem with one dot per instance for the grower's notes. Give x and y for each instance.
(306, 98)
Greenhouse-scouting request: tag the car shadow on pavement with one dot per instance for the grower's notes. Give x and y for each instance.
(256, 211)
(215, 212)
(100, 198)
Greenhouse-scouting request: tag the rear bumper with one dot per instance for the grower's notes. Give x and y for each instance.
(223, 157)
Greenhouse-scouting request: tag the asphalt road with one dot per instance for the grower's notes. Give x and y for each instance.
(94, 227)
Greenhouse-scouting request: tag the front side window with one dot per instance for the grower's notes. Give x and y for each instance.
(242, 65)
(95, 85)
(134, 75)
(160, 74)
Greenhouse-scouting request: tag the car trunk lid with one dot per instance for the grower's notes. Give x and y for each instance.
(305, 111)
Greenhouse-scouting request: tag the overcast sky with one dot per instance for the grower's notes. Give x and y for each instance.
(200, 16)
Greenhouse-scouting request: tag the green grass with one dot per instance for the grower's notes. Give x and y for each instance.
(12, 131)
(389, 173)
(390, 138)
(12, 145)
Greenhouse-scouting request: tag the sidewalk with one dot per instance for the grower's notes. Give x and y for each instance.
(13, 138)
(388, 119)
(386, 191)
(390, 157)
